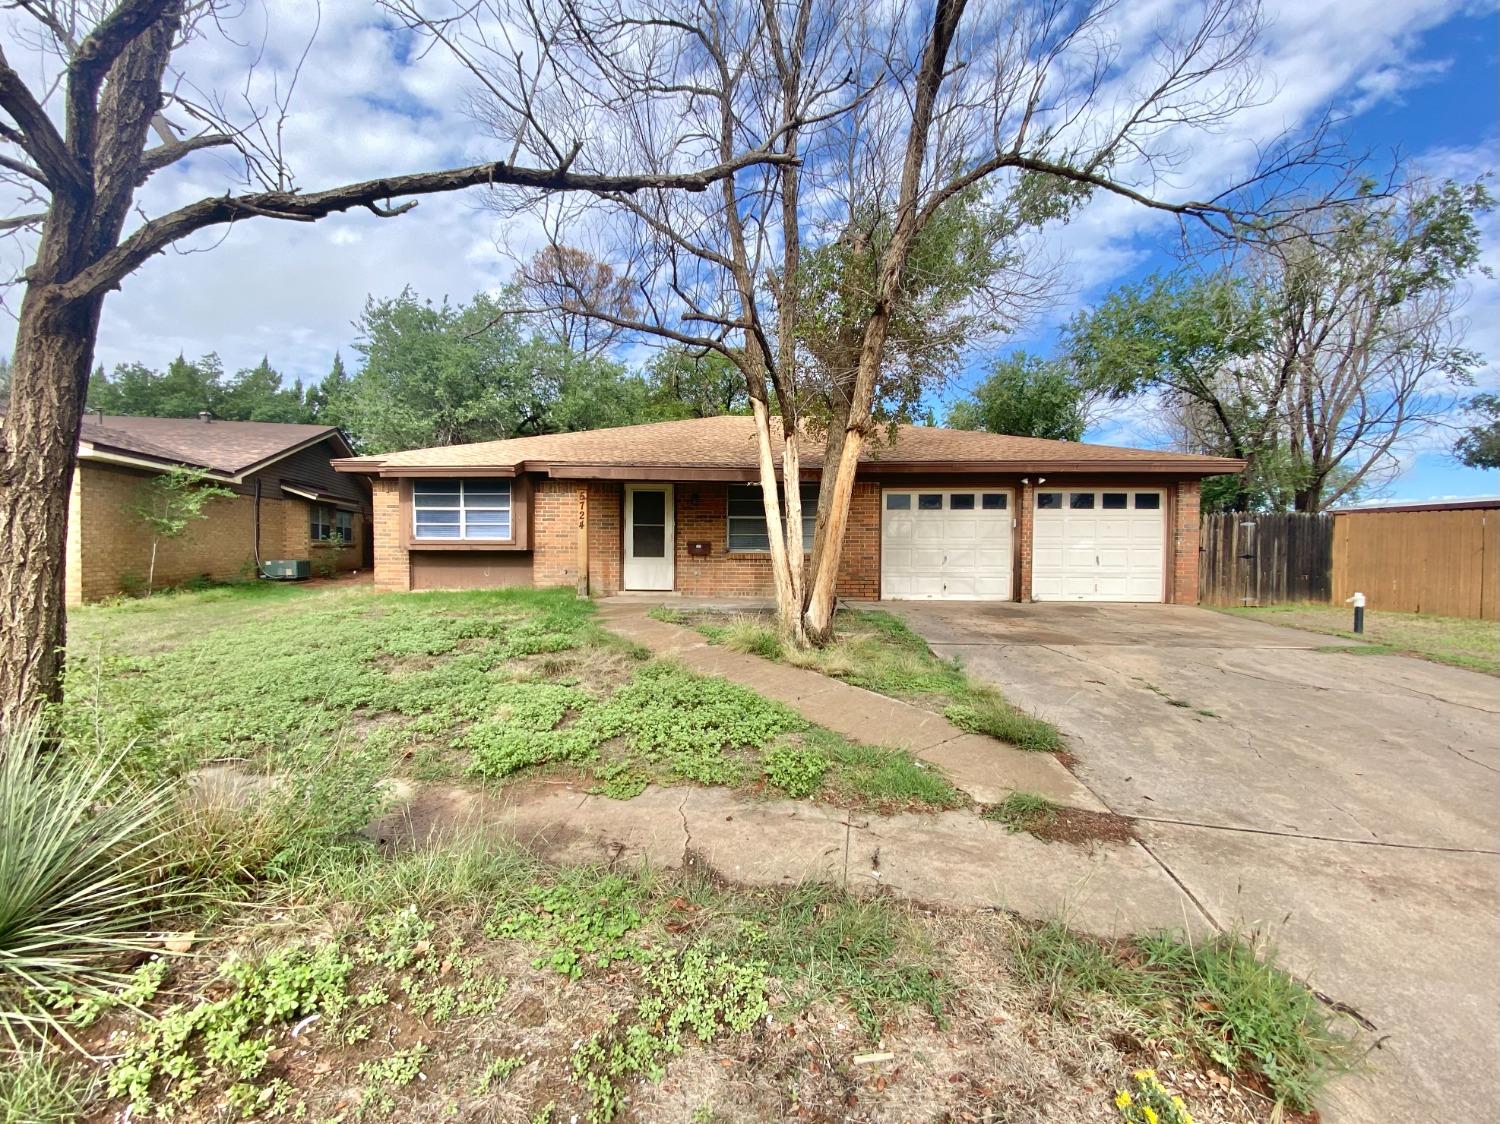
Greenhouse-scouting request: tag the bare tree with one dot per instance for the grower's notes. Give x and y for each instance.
(1368, 333)
(563, 282)
(889, 119)
(74, 149)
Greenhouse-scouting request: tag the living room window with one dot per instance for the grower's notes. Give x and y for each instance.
(461, 509)
(328, 522)
(747, 517)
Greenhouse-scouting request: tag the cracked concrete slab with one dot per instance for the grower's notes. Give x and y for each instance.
(1350, 803)
(989, 770)
(952, 859)
(959, 859)
(1406, 937)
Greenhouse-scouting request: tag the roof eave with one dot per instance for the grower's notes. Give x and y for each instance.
(718, 472)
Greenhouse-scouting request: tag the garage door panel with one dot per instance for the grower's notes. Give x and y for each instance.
(1085, 551)
(941, 552)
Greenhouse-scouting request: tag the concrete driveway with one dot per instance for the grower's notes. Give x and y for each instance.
(1348, 804)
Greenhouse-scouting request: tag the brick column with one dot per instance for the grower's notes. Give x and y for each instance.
(1025, 506)
(859, 564)
(554, 530)
(392, 563)
(1185, 536)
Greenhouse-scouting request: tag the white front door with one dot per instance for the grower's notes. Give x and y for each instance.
(945, 544)
(1099, 544)
(648, 536)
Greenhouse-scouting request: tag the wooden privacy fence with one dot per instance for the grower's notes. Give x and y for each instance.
(1265, 559)
(1442, 559)
(1420, 559)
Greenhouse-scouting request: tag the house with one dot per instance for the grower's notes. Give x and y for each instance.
(288, 501)
(936, 513)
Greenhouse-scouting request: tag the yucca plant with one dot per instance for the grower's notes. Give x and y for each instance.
(80, 880)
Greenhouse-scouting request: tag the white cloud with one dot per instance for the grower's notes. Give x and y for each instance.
(364, 106)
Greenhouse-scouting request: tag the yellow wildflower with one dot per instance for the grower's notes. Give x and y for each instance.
(1144, 1074)
(1150, 1114)
(1122, 1100)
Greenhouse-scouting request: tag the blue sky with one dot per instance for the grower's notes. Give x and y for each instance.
(1418, 77)
(1439, 105)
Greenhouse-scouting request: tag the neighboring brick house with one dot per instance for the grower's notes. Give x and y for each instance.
(673, 506)
(288, 502)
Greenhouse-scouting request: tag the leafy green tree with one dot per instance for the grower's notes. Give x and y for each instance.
(695, 384)
(434, 374)
(184, 390)
(1314, 358)
(446, 374)
(170, 504)
(1026, 396)
(960, 287)
(257, 394)
(326, 400)
(1479, 447)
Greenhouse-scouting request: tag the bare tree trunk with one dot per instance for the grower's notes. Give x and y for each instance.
(54, 354)
(821, 601)
(788, 607)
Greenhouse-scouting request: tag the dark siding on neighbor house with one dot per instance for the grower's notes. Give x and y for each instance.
(310, 467)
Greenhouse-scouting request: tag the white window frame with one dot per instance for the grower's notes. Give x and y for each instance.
(464, 507)
(809, 518)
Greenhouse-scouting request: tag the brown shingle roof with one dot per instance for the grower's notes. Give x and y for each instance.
(227, 447)
(728, 443)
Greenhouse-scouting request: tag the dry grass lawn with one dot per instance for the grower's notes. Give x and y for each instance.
(1456, 641)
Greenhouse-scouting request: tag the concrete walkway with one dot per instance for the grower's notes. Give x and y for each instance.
(952, 858)
(979, 765)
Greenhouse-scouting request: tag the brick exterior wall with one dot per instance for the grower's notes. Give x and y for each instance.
(606, 509)
(392, 564)
(700, 511)
(1185, 543)
(109, 547)
(554, 532)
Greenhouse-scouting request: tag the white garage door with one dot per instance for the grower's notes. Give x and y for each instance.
(1098, 545)
(948, 544)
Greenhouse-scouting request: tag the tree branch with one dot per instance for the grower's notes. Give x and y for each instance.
(24, 169)
(91, 61)
(19, 221)
(38, 136)
(155, 159)
(159, 233)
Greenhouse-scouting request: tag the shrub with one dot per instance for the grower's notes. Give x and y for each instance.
(78, 880)
(796, 769)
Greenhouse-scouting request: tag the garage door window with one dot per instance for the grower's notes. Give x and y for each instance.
(1048, 500)
(994, 502)
(1081, 501)
(1116, 501)
(961, 502)
(898, 501)
(929, 503)
(1147, 501)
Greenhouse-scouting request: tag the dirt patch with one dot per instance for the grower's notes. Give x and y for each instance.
(1084, 828)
